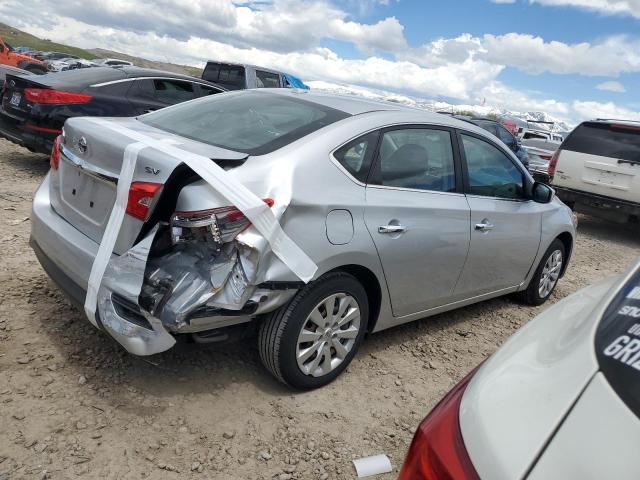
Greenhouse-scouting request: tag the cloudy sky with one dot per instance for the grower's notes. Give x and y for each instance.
(573, 59)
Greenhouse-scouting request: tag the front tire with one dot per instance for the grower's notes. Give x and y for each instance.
(547, 274)
(307, 343)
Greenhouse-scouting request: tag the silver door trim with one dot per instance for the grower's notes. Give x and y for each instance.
(131, 79)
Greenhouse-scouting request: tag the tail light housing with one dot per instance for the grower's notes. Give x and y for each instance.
(553, 163)
(220, 225)
(54, 159)
(437, 451)
(47, 96)
(141, 196)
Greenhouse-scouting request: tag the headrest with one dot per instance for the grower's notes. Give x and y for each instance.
(409, 160)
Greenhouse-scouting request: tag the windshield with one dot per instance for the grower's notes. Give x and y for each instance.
(618, 343)
(250, 122)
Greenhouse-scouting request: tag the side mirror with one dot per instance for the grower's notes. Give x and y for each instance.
(542, 193)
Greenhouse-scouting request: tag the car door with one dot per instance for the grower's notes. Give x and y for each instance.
(418, 216)
(505, 225)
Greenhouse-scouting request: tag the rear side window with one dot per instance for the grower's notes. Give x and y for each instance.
(491, 173)
(207, 90)
(416, 158)
(229, 76)
(172, 91)
(356, 156)
(607, 140)
(267, 79)
(254, 122)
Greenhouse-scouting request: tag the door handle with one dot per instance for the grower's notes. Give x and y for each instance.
(392, 229)
(485, 226)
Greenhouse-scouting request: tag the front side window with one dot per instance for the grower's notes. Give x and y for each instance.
(267, 79)
(356, 156)
(252, 121)
(417, 158)
(491, 173)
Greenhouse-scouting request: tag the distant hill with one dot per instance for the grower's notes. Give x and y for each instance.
(18, 38)
(142, 62)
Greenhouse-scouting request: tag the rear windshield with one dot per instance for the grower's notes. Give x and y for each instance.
(229, 76)
(618, 344)
(249, 121)
(607, 140)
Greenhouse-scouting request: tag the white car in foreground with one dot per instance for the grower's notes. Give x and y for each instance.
(560, 399)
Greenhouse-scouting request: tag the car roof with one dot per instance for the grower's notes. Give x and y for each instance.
(85, 77)
(612, 121)
(9, 69)
(354, 105)
(245, 65)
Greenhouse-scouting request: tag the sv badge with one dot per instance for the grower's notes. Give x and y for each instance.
(155, 171)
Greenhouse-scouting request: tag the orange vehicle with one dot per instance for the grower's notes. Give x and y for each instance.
(9, 57)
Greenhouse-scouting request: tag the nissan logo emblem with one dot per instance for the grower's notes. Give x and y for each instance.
(82, 144)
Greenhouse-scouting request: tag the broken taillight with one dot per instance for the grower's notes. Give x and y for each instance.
(141, 196)
(54, 159)
(220, 224)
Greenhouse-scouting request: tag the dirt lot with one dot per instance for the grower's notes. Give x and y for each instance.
(74, 404)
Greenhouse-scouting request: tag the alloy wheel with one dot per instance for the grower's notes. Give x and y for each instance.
(328, 334)
(550, 274)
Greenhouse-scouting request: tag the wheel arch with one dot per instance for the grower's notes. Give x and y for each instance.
(371, 284)
(567, 241)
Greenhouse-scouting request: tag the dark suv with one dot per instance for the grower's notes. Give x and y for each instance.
(504, 135)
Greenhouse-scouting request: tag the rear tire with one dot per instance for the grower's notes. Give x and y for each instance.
(547, 274)
(307, 343)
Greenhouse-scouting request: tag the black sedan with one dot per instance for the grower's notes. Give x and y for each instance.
(6, 69)
(33, 109)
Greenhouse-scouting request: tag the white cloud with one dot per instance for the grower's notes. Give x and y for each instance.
(611, 86)
(280, 25)
(530, 54)
(606, 7)
(591, 110)
(612, 56)
(286, 34)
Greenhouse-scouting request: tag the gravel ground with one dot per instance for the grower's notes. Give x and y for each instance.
(75, 404)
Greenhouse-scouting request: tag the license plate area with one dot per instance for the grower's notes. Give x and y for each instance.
(88, 195)
(606, 176)
(15, 99)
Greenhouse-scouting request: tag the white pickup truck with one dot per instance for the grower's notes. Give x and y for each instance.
(596, 170)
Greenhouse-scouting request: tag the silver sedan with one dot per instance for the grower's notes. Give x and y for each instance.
(403, 213)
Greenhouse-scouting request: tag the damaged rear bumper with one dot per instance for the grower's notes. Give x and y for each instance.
(196, 305)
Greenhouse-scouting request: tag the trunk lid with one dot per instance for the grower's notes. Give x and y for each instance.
(83, 188)
(14, 103)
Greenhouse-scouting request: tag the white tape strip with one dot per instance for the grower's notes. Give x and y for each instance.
(110, 234)
(260, 215)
